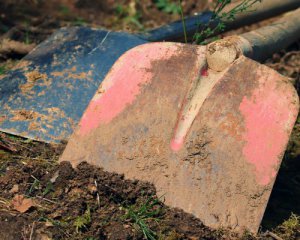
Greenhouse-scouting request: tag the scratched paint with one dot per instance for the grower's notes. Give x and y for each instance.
(204, 72)
(123, 84)
(265, 114)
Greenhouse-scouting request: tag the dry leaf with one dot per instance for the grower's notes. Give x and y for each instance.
(22, 204)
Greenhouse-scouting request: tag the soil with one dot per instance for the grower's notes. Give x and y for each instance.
(61, 195)
(41, 199)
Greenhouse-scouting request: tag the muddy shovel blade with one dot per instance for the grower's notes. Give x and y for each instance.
(224, 169)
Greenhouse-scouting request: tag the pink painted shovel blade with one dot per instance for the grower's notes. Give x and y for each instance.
(225, 170)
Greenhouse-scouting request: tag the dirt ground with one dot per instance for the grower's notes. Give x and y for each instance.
(41, 199)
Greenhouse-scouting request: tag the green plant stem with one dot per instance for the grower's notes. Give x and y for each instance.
(218, 14)
(183, 22)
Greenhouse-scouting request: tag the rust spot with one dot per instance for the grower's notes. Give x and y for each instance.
(231, 125)
(33, 126)
(39, 121)
(41, 93)
(27, 115)
(24, 64)
(57, 74)
(35, 75)
(71, 73)
(32, 77)
(2, 119)
(23, 115)
(81, 75)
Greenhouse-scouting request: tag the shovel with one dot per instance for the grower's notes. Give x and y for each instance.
(208, 126)
(47, 93)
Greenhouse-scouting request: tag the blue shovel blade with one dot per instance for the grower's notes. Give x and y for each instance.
(45, 96)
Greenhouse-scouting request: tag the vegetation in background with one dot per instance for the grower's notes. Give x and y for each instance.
(79, 21)
(128, 14)
(290, 228)
(206, 31)
(64, 9)
(167, 6)
(183, 22)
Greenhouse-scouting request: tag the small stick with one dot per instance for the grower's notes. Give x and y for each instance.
(31, 233)
(98, 197)
(8, 46)
(46, 199)
(273, 235)
(6, 144)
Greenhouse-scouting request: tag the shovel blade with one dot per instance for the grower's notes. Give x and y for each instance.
(44, 97)
(225, 170)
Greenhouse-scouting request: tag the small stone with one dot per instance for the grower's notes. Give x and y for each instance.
(14, 189)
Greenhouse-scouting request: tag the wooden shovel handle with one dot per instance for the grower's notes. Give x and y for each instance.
(265, 41)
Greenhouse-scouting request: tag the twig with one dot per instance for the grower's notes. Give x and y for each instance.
(31, 233)
(11, 32)
(6, 147)
(183, 22)
(6, 144)
(273, 235)
(98, 197)
(8, 46)
(46, 199)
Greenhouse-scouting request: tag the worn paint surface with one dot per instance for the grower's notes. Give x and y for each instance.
(62, 73)
(210, 175)
(267, 120)
(122, 87)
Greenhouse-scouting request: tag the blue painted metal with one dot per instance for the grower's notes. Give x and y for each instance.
(44, 97)
(174, 31)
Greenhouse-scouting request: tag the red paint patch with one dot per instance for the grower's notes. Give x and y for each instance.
(176, 144)
(267, 115)
(123, 84)
(204, 72)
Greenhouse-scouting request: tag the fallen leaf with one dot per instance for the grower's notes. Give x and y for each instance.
(22, 204)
